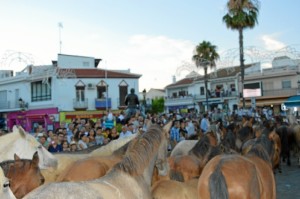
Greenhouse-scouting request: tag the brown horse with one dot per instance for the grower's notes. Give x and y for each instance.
(297, 140)
(64, 160)
(235, 176)
(24, 175)
(271, 144)
(92, 167)
(186, 167)
(166, 189)
(131, 178)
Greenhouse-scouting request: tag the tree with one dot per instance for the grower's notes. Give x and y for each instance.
(241, 14)
(205, 56)
(158, 105)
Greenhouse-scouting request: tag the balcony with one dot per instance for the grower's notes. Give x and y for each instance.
(102, 103)
(169, 101)
(281, 92)
(8, 105)
(80, 105)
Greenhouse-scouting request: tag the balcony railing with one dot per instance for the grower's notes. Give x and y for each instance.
(77, 104)
(103, 103)
(281, 92)
(9, 105)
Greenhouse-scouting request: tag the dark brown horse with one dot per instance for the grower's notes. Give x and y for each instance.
(24, 175)
(235, 176)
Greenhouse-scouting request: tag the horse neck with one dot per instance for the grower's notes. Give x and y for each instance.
(6, 143)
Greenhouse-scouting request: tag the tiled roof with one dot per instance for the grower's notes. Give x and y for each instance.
(93, 73)
(181, 82)
(225, 72)
(220, 73)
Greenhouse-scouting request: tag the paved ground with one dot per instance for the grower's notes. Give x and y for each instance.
(288, 182)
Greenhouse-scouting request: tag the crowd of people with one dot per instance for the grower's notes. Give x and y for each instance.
(81, 134)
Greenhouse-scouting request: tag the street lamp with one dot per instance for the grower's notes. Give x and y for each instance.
(144, 96)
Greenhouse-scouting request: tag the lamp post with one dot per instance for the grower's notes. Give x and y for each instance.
(298, 91)
(144, 97)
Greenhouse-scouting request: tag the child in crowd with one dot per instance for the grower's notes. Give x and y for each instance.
(99, 138)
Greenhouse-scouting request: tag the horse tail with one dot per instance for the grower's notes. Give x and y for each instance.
(217, 183)
(176, 175)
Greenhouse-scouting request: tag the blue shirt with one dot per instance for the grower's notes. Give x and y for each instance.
(58, 148)
(174, 134)
(204, 125)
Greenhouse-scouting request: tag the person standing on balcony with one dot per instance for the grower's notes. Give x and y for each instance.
(132, 103)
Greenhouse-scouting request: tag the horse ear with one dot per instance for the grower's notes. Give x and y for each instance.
(35, 159)
(22, 132)
(16, 157)
(167, 128)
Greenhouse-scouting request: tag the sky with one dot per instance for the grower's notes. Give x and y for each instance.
(154, 38)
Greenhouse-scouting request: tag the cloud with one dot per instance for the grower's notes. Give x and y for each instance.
(270, 43)
(156, 58)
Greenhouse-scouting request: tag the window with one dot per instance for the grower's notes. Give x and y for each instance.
(182, 93)
(202, 90)
(174, 95)
(40, 91)
(79, 93)
(101, 90)
(232, 87)
(123, 92)
(286, 84)
(86, 64)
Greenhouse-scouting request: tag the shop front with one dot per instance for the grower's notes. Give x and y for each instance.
(30, 119)
(69, 116)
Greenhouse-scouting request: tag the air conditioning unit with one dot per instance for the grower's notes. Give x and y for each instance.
(90, 86)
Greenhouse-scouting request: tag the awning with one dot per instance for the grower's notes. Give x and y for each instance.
(293, 101)
(263, 102)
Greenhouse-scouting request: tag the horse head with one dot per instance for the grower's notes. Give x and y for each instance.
(26, 145)
(161, 163)
(24, 174)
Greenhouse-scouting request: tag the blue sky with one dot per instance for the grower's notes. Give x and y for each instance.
(155, 38)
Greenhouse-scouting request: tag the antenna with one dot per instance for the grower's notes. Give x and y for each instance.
(60, 26)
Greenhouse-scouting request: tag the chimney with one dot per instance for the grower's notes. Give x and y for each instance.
(173, 79)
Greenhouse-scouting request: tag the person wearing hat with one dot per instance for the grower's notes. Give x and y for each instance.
(73, 146)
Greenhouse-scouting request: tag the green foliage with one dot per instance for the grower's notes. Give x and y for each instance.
(158, 105)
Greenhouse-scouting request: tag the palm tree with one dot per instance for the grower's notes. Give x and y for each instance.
(241, 14)
(205, 56)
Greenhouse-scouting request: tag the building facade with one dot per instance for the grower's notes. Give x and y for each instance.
(269, 87)
(71, 87)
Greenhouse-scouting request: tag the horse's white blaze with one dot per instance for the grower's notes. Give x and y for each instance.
(5, 192)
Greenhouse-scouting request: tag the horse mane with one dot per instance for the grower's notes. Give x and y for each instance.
(137, 155)
(259, 151)
(201, 147)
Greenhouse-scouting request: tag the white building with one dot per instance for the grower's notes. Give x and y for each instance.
(72, 87)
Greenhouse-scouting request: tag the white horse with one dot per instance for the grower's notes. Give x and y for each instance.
(25, 145)
(5, 192)
(131, 178)
(183, 147)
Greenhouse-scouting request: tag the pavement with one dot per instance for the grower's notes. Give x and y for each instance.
(288, 182)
